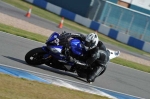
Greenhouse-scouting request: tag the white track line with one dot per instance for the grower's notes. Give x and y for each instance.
(42, 74)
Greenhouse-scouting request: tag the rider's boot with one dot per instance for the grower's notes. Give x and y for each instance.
(93, 74)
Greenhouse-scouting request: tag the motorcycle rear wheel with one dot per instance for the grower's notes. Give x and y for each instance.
(34, 56)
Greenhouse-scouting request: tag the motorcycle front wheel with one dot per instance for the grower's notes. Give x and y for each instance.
(35, 56)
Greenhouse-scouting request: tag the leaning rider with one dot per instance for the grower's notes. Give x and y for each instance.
(96, 50)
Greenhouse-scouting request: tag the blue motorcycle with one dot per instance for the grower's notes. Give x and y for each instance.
(51, 56)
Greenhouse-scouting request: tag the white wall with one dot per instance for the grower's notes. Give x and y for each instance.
(128, 1)
(142, 3)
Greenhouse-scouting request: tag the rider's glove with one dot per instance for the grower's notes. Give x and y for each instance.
(79, 63)
(71, 59)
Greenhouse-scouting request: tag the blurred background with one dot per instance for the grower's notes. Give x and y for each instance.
(131, 17)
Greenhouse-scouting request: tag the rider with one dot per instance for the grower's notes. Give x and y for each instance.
(96, 50)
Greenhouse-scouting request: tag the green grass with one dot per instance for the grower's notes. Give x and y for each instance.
(131, 64)
(72, 25)
(22, 33)
(15, 88)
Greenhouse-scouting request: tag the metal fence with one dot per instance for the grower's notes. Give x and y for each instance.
(127, 21)
(93, 9)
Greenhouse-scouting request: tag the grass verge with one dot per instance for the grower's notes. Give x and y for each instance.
(72, 25)
(22, 33)
(15, 88)
(131, 64)
(41, 38)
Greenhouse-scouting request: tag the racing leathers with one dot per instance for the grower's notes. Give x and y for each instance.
(99, 56)
(96, 58)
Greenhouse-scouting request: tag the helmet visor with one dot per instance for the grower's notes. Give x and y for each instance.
(89, 44)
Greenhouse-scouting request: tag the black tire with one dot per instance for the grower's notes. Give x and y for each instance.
(34, 56)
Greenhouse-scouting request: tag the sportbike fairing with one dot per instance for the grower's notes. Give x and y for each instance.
(52, 37)
(56, 50)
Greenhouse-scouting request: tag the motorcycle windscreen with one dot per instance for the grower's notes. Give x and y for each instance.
(52, 37)
(76, 47)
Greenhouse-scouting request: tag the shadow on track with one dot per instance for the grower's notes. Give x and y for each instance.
(44, 67)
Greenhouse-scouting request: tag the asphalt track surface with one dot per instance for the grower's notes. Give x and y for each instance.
(116, 77)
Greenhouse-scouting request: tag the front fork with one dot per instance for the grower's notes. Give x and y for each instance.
(47, 55)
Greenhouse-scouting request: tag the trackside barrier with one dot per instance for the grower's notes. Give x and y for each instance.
(112, 33)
